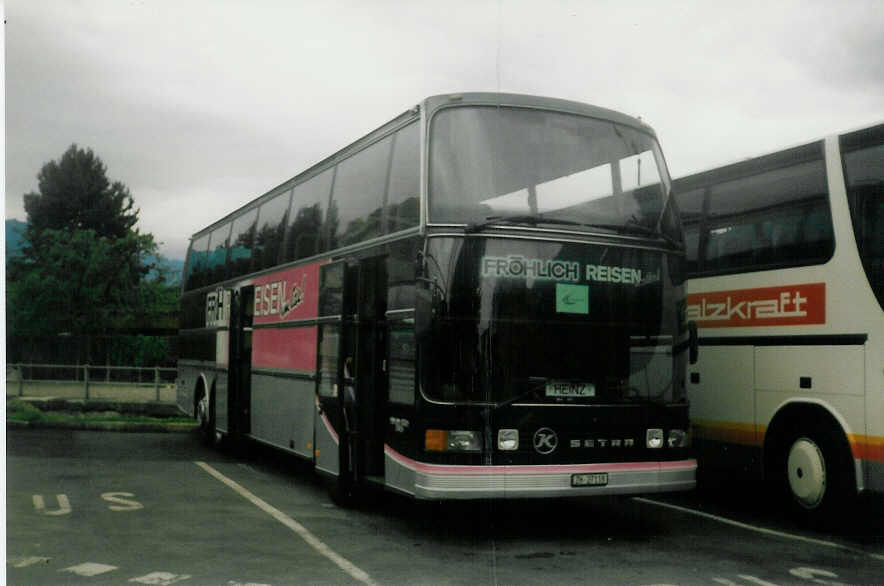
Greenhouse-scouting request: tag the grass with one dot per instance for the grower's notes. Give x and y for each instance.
(27, 414)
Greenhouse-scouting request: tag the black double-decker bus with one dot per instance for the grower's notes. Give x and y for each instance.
(483, 298)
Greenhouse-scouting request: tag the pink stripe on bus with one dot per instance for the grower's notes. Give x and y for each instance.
(539, 469)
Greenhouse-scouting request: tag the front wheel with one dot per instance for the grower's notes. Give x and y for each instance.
(812, 469)
(806, 473)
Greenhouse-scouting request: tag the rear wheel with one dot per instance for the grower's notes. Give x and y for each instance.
(205, 416)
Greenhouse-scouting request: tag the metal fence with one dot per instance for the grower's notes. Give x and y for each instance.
(88, 381)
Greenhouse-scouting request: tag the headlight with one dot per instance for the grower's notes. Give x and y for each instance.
(508, 440)
(442, 440)
(654, 438)
(677, 438)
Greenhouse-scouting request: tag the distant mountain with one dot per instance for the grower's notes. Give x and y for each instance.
(173, 268)
(15, 237)
(15, 232)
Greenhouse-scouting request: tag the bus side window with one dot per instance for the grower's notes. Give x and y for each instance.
(271, 230)
(690, 204)
(403, 192)
(197, 263)
(863, 161)
(774, 214)
(218, 244)
(357, 199)
(241, 242)
(306, 217)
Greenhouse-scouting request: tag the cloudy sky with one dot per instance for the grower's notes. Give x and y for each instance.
(199, 106)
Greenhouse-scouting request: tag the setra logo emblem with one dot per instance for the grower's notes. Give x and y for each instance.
(545, 441)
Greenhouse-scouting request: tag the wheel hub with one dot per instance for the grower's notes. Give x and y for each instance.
(806, 470)
(203, 412)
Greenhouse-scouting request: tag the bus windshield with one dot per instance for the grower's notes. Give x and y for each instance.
(490, 164)
(545, 322)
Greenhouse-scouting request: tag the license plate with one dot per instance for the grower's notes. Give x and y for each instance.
(568, 389)
(594, 479)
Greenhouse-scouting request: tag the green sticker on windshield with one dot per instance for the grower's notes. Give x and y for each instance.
(572, 298)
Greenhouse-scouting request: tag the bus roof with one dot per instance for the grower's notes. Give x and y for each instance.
(527, 101)
(747, 162)
(431, 105)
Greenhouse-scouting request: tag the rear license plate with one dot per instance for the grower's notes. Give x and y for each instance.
(595, 479)
(568, 389)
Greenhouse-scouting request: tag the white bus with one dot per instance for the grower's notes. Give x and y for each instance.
(786, 285)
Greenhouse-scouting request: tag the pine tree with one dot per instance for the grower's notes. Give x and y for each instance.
(75, 193)
(84, 266)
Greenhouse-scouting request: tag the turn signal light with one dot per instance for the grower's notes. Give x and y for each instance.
(435, 440)
(442, 440)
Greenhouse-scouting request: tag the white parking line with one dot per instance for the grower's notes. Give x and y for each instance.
(748, 527)
(24, 562)
(89, 569)
(305, 534)
(160, 578)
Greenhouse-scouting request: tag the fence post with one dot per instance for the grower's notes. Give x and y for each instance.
(86, 380)
(156, 381)
(21, 380)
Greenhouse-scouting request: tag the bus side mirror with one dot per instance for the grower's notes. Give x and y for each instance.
(694, 343)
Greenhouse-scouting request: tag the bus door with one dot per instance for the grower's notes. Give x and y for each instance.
(370, 335)
(336, 427)
(239, 382)
(351, 388)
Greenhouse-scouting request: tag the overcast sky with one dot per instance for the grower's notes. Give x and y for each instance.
(199, 107)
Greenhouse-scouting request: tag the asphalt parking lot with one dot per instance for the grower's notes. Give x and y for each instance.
(109, 508)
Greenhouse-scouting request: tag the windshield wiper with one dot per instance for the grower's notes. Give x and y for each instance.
(638, 229)
(532, 220)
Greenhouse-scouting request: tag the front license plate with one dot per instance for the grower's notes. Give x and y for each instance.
(595, 479)
(568, 389)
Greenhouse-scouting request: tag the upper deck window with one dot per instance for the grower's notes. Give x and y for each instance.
(403, 192)
(241, 242)
(358, 195)
(271, 230)
(196, 274)
(306, 217)
(488, 162)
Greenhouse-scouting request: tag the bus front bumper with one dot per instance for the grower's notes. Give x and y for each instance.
(432, 481)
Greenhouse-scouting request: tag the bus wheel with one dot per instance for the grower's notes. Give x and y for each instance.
(343, 494)
(205, 420)
(814, 471)
(806, 472)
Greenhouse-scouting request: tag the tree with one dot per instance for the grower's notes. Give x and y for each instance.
(75, 193)
(74, 281)
(85, 269)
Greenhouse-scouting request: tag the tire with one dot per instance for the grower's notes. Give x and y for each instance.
(205, 417)
(341, 489)
(343, 494)
(812, 470)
